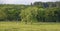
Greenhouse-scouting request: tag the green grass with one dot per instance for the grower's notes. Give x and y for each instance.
(17, 26)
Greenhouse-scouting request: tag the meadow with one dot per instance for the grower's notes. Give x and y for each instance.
(39, 16)
(19, 26)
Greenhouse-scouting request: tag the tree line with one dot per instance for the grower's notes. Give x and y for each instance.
(36, 12)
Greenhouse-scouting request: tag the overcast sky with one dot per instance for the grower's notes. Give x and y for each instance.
(23, 1)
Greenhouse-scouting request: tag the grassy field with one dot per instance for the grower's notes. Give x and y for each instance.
(17, 26)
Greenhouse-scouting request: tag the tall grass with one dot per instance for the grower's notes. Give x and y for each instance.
(17, 26)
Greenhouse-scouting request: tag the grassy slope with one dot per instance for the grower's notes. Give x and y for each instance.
(17, 26)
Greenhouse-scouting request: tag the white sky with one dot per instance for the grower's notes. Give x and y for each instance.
(22, 1)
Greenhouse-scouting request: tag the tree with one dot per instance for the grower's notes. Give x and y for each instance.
(28, 14)
(41, 15)
(2, 15)
(51, 14)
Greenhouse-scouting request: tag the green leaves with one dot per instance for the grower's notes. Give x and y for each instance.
(29, 14)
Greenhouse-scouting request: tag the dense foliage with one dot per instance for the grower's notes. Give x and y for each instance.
(37, 12)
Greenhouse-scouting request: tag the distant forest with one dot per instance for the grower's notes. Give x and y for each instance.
(36, 12)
